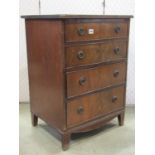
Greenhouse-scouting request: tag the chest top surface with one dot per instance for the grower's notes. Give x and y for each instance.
(67, 16)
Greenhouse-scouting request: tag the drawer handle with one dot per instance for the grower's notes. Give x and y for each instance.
(82, 80)
(80, 110)
(117, 29)
(81, 31)
(115, 73)
(114, 98)
(116, 51)
(81, 55)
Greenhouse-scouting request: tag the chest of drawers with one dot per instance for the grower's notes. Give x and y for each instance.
(77, 69)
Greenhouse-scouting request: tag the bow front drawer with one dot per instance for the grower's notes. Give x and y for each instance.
(95, 30)
(87, 80)
(86, 54)
(91, 106)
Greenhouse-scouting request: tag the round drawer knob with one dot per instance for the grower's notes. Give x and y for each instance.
(81, 55)
(117, 29)
(114, 98)
(115, 73)
(116, 51)
(80, 110)
(81, 31)
(82, 80)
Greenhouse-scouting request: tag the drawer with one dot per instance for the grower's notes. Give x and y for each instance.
(95, 30)
(91, 106)
(81, 55)
(87, 80)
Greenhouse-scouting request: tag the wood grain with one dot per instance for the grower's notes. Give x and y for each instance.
(46, 79)
(95, 53)
(102, 30)
(95, 78)
(77, 80)
(94, 105)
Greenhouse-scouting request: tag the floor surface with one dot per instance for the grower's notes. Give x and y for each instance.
(109, 140)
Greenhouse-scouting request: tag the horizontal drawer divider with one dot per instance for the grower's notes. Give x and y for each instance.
(89, 66)
(96, 91)
(68, 43)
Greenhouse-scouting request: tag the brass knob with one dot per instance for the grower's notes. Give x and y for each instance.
(115, 73)
(114, 98)
(80, 110)
(116, 51)
(81, 31)
(82, 80)
(81, 55)
(117, 29)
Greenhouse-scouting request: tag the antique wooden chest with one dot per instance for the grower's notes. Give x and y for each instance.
(77, 67)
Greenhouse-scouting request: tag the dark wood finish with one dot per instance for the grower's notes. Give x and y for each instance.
(77, 80)
(95, 123)
(87, 54)
(65, 140)
(101, 30)
(88, 107)
(46, 79)
(121, 119)
(95, 78)
(34, 119)
(65, 16)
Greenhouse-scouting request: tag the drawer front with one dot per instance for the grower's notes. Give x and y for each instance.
(87, 80)
(93, 31)
(95, 53)
(88, 107)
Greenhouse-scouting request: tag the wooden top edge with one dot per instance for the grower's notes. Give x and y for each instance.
(63, 16)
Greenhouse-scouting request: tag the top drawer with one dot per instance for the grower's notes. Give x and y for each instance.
(91, 30)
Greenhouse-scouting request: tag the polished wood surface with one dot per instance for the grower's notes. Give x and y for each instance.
(77, 70)
(95, 30)
(83, 81)
(69, 16)
(87, 107)
(96, 122)
(46, 79)
(95, 53)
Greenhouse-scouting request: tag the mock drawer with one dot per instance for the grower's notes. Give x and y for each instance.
(91, 106)
(87, 80)
(95, 30)
(80, 55)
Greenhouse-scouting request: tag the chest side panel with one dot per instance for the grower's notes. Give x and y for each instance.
(45, 63)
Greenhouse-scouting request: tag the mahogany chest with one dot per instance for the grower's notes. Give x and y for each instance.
(77, 67)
